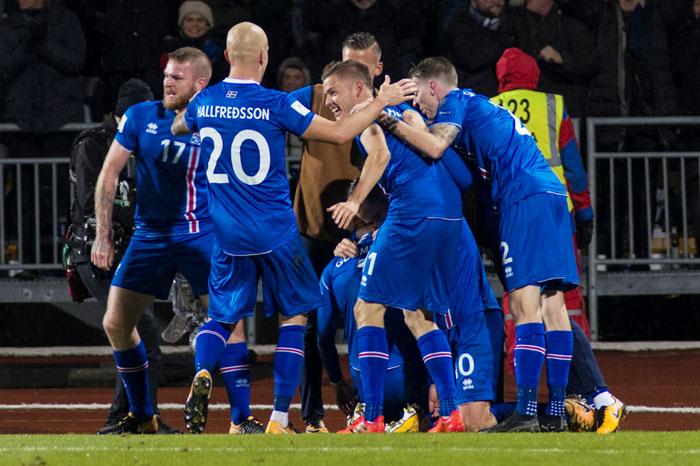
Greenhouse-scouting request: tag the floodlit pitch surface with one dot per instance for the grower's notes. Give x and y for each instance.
(625, 448)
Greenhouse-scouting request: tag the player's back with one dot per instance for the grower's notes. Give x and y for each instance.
(502, 148)
(171, 189)
(242, 126)
(412, 182)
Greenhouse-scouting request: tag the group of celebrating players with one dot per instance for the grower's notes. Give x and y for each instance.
(422, 323)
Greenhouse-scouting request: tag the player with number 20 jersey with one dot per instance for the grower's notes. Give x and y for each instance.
(242, 127)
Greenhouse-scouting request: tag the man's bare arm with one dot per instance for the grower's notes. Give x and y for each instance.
(102, 254)
(431, 143)
(341, 132)
(378, 157)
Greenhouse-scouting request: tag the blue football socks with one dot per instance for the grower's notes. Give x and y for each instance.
(289, 359)
(132, 365)
(209, 345)
(437, 357)
(560, 345)
(373, 359)
(529, 356)
(235, 370)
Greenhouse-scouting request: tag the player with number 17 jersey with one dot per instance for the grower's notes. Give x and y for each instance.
(174, 201)
(173, 226)
(242, 126)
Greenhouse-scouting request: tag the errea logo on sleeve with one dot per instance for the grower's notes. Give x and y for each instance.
(122, 123)
(300, 109)
(152, 128)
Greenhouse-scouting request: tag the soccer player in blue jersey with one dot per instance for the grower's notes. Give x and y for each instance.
(401, 270)
(173, 227)
(242, 126)
(406, 376)
(537, 262)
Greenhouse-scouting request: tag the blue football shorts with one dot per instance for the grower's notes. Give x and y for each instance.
(150, 263)
(410, 264)
(289, 283)
(536, 244)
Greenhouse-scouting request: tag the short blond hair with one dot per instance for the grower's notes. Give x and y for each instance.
(196, 57)
(435, 68)
(349, 69)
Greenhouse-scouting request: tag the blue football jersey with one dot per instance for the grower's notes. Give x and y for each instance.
(497, 144)
(171, 190)
(413, 183)
(242, 126)
(340, 283)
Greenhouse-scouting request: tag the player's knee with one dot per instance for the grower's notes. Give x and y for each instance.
(417, 323)
(299, 319)
(368, 314)
(525, 304)
(112, 325)
(554, 311)
(237, 332)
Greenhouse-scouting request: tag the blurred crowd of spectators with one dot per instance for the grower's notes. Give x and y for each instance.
(64, 60)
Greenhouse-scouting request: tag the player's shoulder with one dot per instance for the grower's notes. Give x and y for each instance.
(209, 92)
(340, 263)
(145, 108)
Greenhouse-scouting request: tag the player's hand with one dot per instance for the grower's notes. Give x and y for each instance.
(346, 249)
(433, 402)
(550, 54)
(102, 253)
(343, 213)
(345, 397)
(584, 233)
(401, 91)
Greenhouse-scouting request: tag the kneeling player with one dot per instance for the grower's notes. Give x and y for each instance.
(476, 360)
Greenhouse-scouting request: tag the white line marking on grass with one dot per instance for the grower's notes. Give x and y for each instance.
(224, 406)
(347, 449)
(162, 406)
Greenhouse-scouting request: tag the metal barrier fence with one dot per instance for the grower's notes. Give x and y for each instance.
(642, 244)
(34, 208)
(37, 196)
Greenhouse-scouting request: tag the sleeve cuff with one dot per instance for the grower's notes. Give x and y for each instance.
(584, 215)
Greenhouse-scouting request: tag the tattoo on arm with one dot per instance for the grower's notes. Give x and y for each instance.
(104, 202)
(388, 122)
(445, 132)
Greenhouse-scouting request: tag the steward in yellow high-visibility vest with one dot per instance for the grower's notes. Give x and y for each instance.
(546, 118)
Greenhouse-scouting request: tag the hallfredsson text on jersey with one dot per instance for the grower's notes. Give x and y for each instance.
(233, 113)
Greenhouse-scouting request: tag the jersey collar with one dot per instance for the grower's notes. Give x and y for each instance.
(240, 81)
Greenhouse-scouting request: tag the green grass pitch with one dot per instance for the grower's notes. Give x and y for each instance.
(621, 449)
